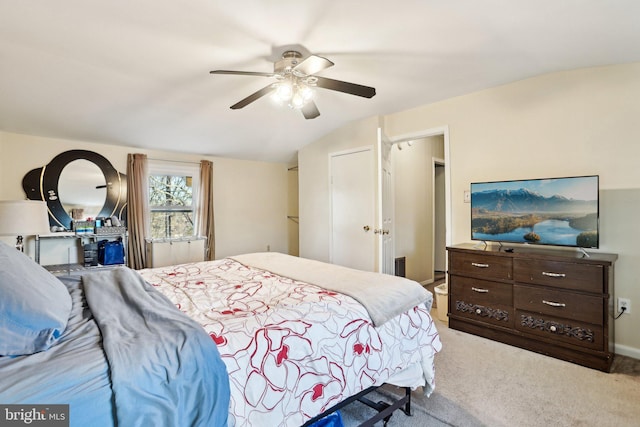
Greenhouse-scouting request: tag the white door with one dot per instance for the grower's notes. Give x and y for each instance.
(386, 230)
(352, 180)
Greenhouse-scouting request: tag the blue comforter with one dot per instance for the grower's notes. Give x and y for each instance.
(161, 368)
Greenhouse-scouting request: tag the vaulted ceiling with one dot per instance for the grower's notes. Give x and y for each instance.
(136, 73)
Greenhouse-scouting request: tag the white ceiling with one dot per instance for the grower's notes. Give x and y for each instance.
(136, 72)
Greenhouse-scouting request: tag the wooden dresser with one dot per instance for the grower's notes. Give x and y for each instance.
(554, 302)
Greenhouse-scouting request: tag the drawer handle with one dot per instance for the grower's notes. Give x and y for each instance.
(546, 273)
(554, 304)
(480, 290)
(475, 264)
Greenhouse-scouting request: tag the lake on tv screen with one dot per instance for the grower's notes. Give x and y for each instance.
(551, 232)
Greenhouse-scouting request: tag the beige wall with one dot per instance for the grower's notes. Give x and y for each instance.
(250, 198)
(570, 123)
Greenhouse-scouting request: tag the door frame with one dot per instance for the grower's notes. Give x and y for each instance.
(435, 162)
(385, 246)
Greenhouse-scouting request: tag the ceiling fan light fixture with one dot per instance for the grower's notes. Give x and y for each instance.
(297, 101)
(293, 93)
(301, 96)
(306, 92)
(284, 91)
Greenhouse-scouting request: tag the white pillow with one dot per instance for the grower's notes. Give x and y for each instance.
(34, 305)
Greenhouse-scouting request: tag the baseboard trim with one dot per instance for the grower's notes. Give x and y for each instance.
(625, 350)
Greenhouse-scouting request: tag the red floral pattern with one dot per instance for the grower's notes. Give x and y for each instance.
(293, 349)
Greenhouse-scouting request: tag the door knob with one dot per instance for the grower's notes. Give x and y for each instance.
(366, 228)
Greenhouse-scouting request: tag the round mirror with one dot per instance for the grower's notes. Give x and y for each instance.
(82, 189)
(78, 184)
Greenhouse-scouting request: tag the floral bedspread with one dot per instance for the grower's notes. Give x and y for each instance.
(292, 349)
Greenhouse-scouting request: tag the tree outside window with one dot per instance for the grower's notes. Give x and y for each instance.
(171, 206)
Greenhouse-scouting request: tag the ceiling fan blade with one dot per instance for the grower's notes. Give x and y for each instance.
(243, 73)
(254, 96)
(312, 64)
(310, 110)
(346, 87)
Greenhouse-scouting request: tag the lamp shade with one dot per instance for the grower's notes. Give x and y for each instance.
(23, 217)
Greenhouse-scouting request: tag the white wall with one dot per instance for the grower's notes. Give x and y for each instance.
(250, 198)
(579, 122)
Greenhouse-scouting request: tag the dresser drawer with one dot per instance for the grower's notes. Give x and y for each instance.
(501, 315)
(566, 275)
(481, 265)
(583, 308)
(481, 300)
(561, 330)
(481, 291)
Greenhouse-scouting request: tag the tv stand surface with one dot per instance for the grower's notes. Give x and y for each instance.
(554, 302)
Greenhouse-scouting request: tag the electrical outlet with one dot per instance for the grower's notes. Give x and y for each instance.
(467, 196)
(626, 303)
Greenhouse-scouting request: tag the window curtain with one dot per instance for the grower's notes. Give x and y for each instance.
(137, 209)
(204, 215)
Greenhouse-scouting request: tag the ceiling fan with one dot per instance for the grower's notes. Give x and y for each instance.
(295, 82)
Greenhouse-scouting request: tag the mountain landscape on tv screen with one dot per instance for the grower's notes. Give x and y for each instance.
(528, 201)
(525, 216)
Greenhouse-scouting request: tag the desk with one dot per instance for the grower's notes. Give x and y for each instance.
(83, 238)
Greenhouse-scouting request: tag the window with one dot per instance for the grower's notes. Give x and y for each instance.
(172, 200)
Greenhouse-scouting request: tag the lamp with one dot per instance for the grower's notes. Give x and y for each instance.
(23, 217)
(293, 91)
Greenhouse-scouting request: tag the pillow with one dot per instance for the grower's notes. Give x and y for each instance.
(34, 305)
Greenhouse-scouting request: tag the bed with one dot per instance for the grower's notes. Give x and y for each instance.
(257, 339)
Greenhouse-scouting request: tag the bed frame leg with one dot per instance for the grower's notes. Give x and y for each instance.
(385, 410)
(407, 406)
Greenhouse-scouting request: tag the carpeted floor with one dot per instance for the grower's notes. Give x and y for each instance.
(484, 383)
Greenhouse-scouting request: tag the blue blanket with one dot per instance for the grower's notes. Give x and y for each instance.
(73, 372)
(128, 357)
(165, 369)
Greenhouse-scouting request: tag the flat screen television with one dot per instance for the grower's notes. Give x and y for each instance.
(552, 211)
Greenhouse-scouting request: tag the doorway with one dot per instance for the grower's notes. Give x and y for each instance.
(349, 243)
(422, 213)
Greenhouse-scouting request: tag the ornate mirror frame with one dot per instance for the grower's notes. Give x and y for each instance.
(42, 184)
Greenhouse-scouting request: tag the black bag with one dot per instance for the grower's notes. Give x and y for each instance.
(110, 252)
